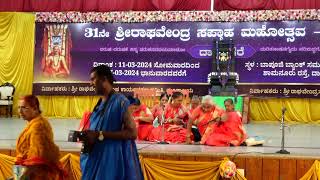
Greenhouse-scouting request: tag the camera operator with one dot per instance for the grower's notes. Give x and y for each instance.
(111, 153)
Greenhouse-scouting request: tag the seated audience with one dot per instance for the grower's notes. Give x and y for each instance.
(175, 115)
(227, 130)
(195, 102)
(229, 105)
(202, 116)
(157, 110)
(142, 117)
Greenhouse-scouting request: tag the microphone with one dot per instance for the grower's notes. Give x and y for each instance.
(162, 121)
(284, 110)
(283, 151)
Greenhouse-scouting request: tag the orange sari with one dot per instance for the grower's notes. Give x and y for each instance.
(144, 128)
(173, 133)
(192, 109)
(230, 132)
(36, 150)
(202, 119)
(157, 111)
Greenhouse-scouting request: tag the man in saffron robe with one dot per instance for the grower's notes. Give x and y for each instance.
(228, 130)
(143, 118)
(175, 116)
(35, 146)
(112, 154)
(56, 65)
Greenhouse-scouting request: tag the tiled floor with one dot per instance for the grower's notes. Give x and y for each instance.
(300, 139)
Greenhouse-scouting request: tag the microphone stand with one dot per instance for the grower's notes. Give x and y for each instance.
(282, 150)
(162, 128)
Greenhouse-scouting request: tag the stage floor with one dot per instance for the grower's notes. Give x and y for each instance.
(300, 139)
(254, 162)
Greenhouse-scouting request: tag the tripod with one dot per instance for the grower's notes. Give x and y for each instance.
(282, 150)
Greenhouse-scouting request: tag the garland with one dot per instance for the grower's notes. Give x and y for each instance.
(176, 16)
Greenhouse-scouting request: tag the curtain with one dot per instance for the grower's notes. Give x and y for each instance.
(299, 110)
(71, 164)
(103, 5)
(66, 106)
(181, 170)
(181, 5)
(6, 163)
(152, 168)
(16, 51)
(313, 173)
(16, 67)
(221, 5)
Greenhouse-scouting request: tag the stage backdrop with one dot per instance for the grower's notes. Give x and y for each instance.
(270, 56)
(16, 57)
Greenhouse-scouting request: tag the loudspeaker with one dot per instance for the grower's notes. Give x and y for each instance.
(223, 78)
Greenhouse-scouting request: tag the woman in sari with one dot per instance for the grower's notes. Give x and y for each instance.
(175, 116)
(35, 146)
(228, 129)
(203, 115)
(143, 118)
(157, 110)
(229, 105)
(195, 102)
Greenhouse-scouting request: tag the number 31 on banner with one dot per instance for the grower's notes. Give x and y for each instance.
(94, 32)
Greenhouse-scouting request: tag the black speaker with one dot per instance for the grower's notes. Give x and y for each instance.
(223, 78)
(229, 89)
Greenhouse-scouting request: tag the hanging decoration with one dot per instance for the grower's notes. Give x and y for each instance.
(174, 16)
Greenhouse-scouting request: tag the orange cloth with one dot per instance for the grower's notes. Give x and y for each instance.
(85, 121)
(202, 119)
(173, 133)
(192, 109)
(173, 112)
(230, 132)
(144, 128)
(51, 69)
(157, 111)
(36, 149)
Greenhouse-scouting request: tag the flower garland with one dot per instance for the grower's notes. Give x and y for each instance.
(174, 16)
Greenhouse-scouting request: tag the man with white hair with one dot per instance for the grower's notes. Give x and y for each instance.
(207, 113)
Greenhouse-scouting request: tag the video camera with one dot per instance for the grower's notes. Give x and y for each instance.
(76, 136)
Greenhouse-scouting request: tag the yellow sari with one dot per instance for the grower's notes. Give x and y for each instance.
(36, 150)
